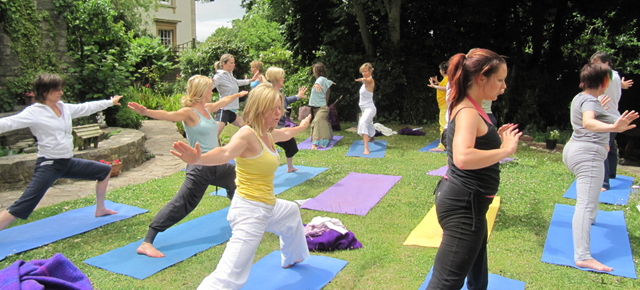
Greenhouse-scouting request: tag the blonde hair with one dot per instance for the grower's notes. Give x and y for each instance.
(273, 74)
(197, 86)
(368, 66)
(257, 64)
(263, 100)
(223, 60)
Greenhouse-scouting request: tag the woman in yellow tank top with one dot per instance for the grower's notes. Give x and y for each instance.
(254, 208)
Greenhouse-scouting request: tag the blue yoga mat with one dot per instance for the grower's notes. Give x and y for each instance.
(313, 273)
(609, 241)
(284, 180)
(618, 194)
(178, 243)
(431, 145)
(376, 149)
(41, 232)
(496, 282)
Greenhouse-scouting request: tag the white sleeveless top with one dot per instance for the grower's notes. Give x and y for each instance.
(366, 97)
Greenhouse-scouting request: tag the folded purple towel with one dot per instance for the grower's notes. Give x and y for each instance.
(409, 131)
(55, 273)
(332, 240)
(288, 123)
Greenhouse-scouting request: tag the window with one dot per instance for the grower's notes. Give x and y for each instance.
(166, 37)
(165, 2)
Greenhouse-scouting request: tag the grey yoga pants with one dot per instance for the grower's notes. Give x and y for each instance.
(586, 161)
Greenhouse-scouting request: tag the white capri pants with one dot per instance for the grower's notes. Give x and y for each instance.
(586, 161)
(249, 220)
(365, 124)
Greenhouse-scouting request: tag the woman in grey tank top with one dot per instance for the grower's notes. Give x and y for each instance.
(201, 128)
(585, 153)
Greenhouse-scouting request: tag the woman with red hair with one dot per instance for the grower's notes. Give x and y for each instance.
(474, 148)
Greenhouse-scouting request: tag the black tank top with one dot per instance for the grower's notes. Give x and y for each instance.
(483, 181)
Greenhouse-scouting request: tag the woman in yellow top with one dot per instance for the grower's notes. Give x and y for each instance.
(441, 96)
(254, 208)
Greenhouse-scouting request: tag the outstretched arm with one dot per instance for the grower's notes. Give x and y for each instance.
(212, 107)
(626, 84)
(285, 134)
(175, 116)
(623, 123)
(217, 156)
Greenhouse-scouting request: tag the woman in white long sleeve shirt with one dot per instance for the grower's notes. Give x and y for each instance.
(50, 122)
(228, 85)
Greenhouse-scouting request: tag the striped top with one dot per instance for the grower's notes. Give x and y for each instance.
(227, 85)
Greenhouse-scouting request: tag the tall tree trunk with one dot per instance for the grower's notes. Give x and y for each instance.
(364, 29)
(393, 10)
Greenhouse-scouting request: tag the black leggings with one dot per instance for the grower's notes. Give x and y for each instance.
(290, 147)
(463, 251)
(198, 179)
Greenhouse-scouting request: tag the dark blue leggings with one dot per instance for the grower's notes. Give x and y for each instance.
(45, 174)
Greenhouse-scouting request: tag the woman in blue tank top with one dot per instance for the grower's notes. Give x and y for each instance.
(201, 128)
(474, 148)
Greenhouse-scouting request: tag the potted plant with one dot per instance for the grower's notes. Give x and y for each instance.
(553, 139)
(115, 167)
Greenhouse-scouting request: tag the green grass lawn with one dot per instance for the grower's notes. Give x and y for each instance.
(530, 187)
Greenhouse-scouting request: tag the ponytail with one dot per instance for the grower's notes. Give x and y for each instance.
(217, 65)
(456, 80)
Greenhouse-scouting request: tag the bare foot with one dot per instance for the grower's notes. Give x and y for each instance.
(291, 169)
(366, 152)
(296, 262)
(105, 211)
(314, 147)
(437, 149)
(147, 249)
(593, 264)
(603, 189)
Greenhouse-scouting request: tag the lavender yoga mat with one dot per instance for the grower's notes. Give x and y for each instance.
(357, 194)
(443, 170)
(306, 144)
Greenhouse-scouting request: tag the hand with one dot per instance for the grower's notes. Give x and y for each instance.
(360, 79)
(305, 122)
(245, 77)
(318, 88)
(506, 127)
(187, 153)
(604, 100)
(626, 84)
(301, 91)
(623, 123)
(115, 100)
(140, 109)
(242, 94)
(510, 137)
(433, 82)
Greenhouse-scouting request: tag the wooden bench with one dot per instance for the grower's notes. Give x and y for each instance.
(84, 135)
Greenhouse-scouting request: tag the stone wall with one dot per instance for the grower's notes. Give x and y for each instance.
(127, 146)
(9, 60)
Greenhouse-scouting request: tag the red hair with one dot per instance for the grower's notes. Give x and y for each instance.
(465, 68)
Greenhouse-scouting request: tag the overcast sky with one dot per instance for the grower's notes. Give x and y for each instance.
(210, 16)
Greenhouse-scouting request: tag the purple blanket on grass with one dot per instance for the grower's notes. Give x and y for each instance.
(55, 273)
(288, 123)
(333, 240)
(409, 131)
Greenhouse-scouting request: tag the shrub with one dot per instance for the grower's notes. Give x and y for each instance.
(202, 59)
(127, 118)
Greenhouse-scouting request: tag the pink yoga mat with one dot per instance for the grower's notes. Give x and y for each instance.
(357, 194)
(443, 170)
(306, 144)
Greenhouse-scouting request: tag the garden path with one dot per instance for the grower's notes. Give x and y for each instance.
(160, 137)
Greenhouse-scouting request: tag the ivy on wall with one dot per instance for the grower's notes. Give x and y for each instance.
(23, 24)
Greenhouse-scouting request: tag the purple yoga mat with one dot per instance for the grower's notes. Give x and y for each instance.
(306, 144)
(443, 170)
(357, 193)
